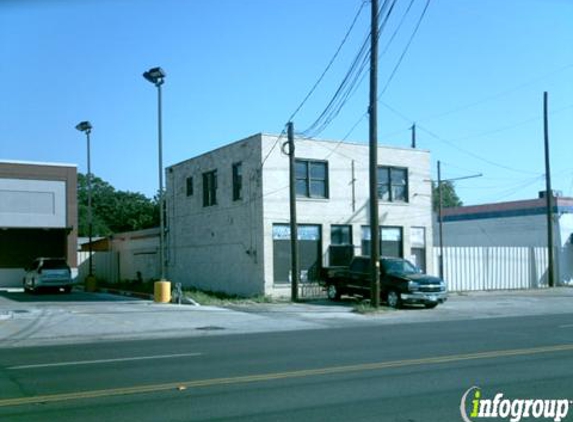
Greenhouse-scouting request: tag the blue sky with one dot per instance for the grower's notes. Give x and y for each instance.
(473, 78)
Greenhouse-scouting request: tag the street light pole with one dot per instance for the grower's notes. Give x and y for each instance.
(86, 127)
(156, 76)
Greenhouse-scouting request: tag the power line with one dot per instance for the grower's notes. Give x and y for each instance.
(274, 146)
(498, 94)
(452, 144)
(512, 126)
(401, 58)
(350, 81)
(330, 62)
(406, 48)
(386, 49)
(472, 154)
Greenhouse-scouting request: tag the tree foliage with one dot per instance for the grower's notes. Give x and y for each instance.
(450, 198)
(114, 211)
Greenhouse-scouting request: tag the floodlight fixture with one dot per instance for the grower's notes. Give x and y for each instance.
(155, 75)
(84, 126)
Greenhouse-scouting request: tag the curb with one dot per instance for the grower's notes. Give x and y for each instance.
(137, 295)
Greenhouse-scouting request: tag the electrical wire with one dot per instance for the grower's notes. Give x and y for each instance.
(273, 147)
(401, 58)
(470, 153)
(350, 81)
(453, 145)
(330, 62)
(499, 94)
(405, 51)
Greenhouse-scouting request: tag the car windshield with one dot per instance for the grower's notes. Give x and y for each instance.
(399, 266)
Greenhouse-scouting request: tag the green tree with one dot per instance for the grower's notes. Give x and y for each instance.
(114, 211)
(450, 198)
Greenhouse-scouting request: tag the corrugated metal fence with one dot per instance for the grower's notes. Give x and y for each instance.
(493, 268)
(105, 266)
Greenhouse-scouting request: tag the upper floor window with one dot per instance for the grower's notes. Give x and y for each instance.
(189, 186)
(210, 188)
(393, 184)
(237, 181)
(311, 178)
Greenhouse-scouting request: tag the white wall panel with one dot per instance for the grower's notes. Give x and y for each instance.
(32, 203)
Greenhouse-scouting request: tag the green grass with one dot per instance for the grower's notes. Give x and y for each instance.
(219, 298)
(203, 297)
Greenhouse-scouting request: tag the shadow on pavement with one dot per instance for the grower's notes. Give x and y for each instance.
(52, 296)
(346, 302)
(350, 302)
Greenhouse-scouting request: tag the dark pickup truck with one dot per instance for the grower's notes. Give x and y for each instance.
(401, 282)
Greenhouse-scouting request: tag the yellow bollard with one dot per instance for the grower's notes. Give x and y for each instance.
(162, 291)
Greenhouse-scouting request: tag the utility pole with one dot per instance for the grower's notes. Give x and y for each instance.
(440, 222)
(373, 114)
(293, 227)
(548, 197)
(413, 128)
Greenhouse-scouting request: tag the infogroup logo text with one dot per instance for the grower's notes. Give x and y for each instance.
(513, 409)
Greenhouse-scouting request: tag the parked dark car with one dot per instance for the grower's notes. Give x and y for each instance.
(401, 282)
(48, 273)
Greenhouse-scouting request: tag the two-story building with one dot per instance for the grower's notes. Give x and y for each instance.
(228, 211)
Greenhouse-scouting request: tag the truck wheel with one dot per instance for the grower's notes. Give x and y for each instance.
(332, 292)
(430, 305)
(394, 300)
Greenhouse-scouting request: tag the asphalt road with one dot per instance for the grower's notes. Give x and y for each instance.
(410, 372)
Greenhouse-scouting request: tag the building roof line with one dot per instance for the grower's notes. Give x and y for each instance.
(500, 207)
(37, 163)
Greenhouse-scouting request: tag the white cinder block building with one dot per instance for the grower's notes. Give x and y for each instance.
(228, 211)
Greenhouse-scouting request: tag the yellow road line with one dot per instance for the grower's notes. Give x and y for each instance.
(281, 375)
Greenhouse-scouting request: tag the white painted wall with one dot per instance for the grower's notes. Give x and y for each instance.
(32, 203)
(340, 208)
(506, 231)
(11, 277)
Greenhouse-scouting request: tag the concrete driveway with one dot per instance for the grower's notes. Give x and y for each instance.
(29, 320)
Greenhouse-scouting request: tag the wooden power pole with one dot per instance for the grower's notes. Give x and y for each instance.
(373, 114)
(548, 197)
(293, 225)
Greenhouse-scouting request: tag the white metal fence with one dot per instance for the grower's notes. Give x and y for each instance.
(105, 266)
(493, 268)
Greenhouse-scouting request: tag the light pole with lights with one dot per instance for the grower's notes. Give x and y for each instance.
(156, 76)
(86, 127)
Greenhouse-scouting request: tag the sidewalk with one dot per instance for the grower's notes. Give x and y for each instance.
(29, 320)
